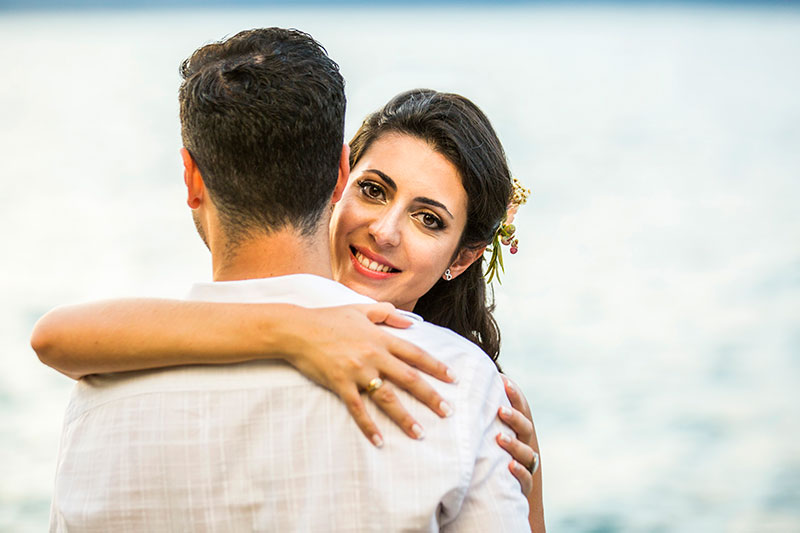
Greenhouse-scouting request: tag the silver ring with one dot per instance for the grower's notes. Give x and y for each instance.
(534, 464)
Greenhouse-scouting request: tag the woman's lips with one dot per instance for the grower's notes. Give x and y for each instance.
(371, 266)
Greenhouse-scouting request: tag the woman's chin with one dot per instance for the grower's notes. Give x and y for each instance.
(366, 285)
(378, 290)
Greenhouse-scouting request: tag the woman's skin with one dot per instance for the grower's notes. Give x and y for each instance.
(395, 231)
(403, 210)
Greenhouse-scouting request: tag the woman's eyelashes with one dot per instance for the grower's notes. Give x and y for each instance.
(429, 220)
(372, 190)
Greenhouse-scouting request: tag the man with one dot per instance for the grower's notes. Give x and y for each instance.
(256, 446)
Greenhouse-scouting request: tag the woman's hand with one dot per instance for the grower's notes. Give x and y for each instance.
(519, 419)
(341, 349)
(524, 448)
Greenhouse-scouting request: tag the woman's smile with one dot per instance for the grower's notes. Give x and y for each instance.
(371, 264)
(399, 223)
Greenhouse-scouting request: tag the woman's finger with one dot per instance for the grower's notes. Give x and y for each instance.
(523, 476)
(521, 452)
(384, 313)
(409, 379)
(355, 405)
(518, 423)
(386, 399)
(396, 320)
(517, 399)
(418, 358)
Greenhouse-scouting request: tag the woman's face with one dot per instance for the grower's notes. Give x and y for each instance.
(397, 227)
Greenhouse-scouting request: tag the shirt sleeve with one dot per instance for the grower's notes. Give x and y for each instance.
(494, 500)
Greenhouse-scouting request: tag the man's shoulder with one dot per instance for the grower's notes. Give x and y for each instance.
(446, 345)
(429, 333)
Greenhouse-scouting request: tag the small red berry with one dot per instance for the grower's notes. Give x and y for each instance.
(513, 249)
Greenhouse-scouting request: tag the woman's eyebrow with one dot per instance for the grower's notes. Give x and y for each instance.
(434, 203)
(389, 181)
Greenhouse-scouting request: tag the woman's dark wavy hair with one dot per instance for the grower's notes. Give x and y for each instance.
(456, 128)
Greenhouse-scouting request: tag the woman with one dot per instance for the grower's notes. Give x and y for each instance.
(428, 191)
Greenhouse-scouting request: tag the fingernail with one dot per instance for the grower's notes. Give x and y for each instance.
(505, 411)
(445, 408)
(452, 375)
(535, 463)
(377, 441)
(418, 432)
(505, 438)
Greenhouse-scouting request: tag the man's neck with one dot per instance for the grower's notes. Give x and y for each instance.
(278, 254)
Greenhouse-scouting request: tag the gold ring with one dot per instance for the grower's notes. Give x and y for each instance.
(374, 384)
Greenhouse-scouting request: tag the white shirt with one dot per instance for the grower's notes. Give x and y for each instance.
(257, 447)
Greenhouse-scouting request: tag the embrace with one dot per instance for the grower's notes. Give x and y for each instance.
(348, 286)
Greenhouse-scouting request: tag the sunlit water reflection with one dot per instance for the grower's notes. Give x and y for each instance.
(652, 312)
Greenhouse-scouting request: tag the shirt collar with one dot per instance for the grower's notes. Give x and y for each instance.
(307, 290)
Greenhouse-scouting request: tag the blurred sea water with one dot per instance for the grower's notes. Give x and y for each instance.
(652, 315)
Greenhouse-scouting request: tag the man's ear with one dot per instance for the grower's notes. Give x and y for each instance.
(344, 173)
(195, 188)
(464, 259)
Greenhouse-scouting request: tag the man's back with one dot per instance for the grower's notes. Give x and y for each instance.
(258, 447)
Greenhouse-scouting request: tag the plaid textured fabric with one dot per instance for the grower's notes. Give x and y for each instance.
(258, 447)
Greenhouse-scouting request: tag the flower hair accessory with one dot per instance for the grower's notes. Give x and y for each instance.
(505, 233)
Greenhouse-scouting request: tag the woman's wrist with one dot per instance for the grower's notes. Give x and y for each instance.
(283, 333)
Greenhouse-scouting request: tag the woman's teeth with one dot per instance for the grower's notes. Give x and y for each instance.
(371, 265)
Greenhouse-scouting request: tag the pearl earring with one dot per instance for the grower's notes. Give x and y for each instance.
(447, 275)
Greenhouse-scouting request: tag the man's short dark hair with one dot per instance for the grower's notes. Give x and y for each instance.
(262, 114)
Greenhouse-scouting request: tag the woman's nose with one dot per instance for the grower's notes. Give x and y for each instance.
(385, 229)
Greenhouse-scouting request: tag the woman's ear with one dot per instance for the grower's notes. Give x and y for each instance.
(464, 259)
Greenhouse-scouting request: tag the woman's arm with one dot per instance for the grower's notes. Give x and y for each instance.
(525, 451)
(338, 347)
(139, 334)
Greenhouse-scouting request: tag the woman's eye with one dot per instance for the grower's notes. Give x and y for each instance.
(430, 221)
(371, 190)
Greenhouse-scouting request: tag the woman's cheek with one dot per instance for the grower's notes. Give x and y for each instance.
(430, 270)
